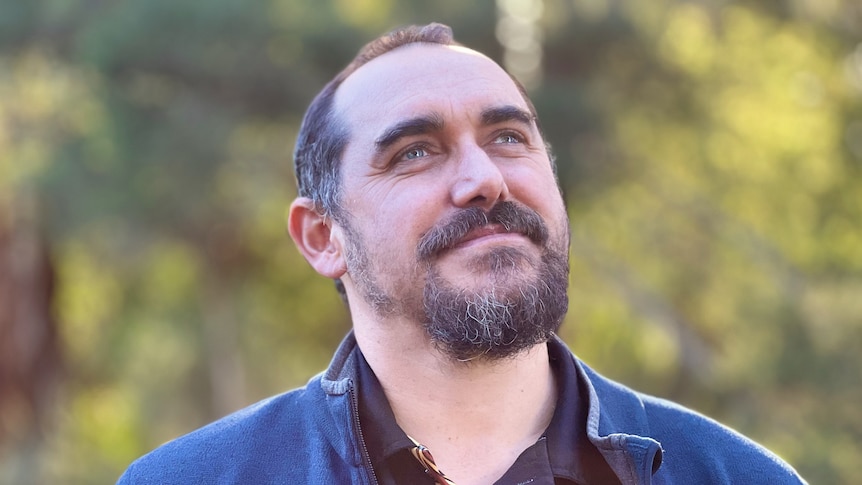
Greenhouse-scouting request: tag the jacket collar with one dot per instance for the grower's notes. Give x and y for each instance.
(616, 421)
(341, 373)
(618, 426)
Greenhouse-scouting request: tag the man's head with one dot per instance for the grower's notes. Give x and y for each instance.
(322, 136)
(427, 187)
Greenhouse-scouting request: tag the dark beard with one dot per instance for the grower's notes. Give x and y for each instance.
(492, 324)
(516, 312)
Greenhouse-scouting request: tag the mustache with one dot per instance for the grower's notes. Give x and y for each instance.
(514, 217)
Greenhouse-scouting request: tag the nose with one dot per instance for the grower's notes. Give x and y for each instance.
(478, 179)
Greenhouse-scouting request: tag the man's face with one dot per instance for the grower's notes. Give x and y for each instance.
(454, 218)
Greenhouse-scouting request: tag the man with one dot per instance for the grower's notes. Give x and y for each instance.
(428, 193)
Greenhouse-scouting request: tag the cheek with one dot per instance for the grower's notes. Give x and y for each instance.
(392, 226)
(404, 224)
(536, 188)
(405, 207)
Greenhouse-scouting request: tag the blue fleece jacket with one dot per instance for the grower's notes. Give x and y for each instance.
(311, 435)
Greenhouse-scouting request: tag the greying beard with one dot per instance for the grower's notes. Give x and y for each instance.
(505, 319)
(512, 314)
(359, 267)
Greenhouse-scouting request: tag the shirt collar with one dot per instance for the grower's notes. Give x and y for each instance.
(383, 436)
(570, 453)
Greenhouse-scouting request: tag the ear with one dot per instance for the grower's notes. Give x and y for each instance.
(315, 239)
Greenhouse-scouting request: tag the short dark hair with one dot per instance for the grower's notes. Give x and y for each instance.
(322, 136)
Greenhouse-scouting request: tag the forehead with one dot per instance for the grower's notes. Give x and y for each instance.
(422, 79)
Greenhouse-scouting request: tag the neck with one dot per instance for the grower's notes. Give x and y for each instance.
(455, 408)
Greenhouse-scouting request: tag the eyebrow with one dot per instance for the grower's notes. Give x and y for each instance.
(502, 114)
(421, 125)
(410, 127)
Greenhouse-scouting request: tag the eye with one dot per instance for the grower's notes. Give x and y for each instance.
(414, 153)
(414, 156)
(508, 138)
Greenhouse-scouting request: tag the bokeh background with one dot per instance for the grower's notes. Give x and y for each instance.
(710, 151)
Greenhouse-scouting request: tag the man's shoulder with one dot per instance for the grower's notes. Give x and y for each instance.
(250, 442)
(693, 445)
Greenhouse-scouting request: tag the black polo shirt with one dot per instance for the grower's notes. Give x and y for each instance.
(563, 455)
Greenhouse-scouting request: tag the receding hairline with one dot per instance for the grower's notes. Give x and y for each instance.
(458, 48)
(412, 46)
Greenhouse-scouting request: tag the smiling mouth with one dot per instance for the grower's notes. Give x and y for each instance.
(486, 233)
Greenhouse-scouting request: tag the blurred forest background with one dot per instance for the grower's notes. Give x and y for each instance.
(711, 154)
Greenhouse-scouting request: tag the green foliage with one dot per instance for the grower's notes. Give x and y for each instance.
(710, 152)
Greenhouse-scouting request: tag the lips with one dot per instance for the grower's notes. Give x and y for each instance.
(482, 232)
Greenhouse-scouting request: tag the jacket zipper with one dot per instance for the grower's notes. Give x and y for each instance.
(363, 448)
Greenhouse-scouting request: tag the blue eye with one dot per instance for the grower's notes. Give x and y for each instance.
(414, 153)
(507, 138)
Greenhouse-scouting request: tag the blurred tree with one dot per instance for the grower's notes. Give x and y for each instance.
(30, 363)
(710, 152)
(701, 208)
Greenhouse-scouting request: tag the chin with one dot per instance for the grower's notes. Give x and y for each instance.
(501, 263)
(500, 318)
